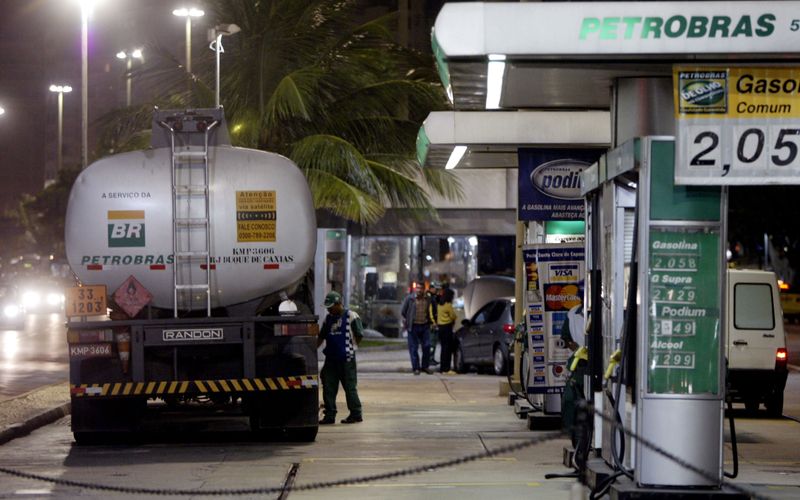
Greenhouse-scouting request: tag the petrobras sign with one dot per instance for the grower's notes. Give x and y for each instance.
(550, 183)
(603, 28)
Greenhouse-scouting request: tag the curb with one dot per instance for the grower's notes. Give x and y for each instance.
(24, 428)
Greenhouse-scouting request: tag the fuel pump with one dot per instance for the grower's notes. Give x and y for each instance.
(669, 382)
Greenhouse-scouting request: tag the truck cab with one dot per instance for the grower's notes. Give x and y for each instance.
(756, 341)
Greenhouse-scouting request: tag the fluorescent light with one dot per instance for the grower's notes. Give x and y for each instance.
(188, 12)
(494, 82)
(455, 157)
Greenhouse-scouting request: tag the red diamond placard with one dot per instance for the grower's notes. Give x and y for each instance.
(131, 296)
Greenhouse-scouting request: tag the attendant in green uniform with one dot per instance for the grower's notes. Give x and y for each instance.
(574, 337)
(342, 332)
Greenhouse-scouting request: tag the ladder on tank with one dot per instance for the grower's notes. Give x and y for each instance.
(191, 227)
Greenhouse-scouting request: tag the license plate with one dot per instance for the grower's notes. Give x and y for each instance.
(90, 351)
(85, 301)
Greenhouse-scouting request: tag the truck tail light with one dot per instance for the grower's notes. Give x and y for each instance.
(283, 330)
(508, 328)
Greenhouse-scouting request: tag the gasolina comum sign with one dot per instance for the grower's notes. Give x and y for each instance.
(737, 125)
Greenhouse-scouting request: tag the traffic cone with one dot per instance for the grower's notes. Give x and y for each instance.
(124, 349)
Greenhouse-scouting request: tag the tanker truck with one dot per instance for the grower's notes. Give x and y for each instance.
(184, 252)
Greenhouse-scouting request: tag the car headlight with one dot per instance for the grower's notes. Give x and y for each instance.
(55, 299)
(31, 299)
(11, 311)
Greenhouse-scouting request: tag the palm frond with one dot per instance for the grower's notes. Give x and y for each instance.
(342, 198)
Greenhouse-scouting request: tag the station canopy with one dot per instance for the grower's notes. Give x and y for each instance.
(565, 55)
(489, 139)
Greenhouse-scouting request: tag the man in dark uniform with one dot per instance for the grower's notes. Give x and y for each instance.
(342, 332)
(574, 337)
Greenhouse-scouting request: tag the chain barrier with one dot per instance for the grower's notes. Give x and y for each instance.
(713, 478)
(550, 436)
(545, 437)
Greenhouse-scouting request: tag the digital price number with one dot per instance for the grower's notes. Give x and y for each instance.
(679, 295)
(750, 149)
(677, 360)
(671, 327)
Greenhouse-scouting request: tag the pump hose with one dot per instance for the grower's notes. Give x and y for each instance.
(628, 331)
(520, 338)
(604, 485)
(734, 446)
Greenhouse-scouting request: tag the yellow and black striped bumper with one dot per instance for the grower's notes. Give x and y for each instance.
(192, 387)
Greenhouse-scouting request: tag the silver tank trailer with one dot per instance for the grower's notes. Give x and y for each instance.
(119, 223)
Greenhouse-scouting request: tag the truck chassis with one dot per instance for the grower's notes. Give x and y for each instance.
(261, 367)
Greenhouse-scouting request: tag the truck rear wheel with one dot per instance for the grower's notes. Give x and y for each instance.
(774, 404)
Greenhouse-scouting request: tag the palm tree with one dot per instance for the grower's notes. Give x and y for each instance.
(340, 98)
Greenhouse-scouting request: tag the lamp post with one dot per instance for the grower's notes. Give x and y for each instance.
(216, 35)
(188, 13)
(129, 56)
(86, 11)
(60, 90)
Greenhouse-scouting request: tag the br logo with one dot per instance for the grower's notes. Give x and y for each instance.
(126, 228)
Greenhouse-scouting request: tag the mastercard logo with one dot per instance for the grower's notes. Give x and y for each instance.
(562, 297)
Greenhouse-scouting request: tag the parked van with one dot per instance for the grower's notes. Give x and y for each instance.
(756, 340)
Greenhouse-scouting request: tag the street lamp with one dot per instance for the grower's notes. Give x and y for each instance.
(129, 56)
(188, 13)
(61, 90)
(216, 35)
(86, 11)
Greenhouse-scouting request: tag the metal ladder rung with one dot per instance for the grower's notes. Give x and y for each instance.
(191, 189)
(202, 253)
(192, 287)
(191, 221)
(190, 155)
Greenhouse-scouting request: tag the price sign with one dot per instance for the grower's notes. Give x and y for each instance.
(85, 301)
(684, 329)
(737, 126)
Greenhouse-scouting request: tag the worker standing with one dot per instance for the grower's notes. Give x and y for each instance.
(342, 332)
(574, 336)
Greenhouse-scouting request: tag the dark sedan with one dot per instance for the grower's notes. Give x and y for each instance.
(485, 339)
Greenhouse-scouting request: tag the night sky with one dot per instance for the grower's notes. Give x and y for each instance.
(40, 45)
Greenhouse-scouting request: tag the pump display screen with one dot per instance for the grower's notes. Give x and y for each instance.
(684, 312)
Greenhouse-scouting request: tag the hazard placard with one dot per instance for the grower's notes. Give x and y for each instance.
(87, 300)
(132, 296)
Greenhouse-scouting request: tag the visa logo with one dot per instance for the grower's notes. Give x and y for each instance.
(126, 228)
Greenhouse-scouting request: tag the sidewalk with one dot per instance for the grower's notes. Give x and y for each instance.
(23, 414)
(418, 420)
